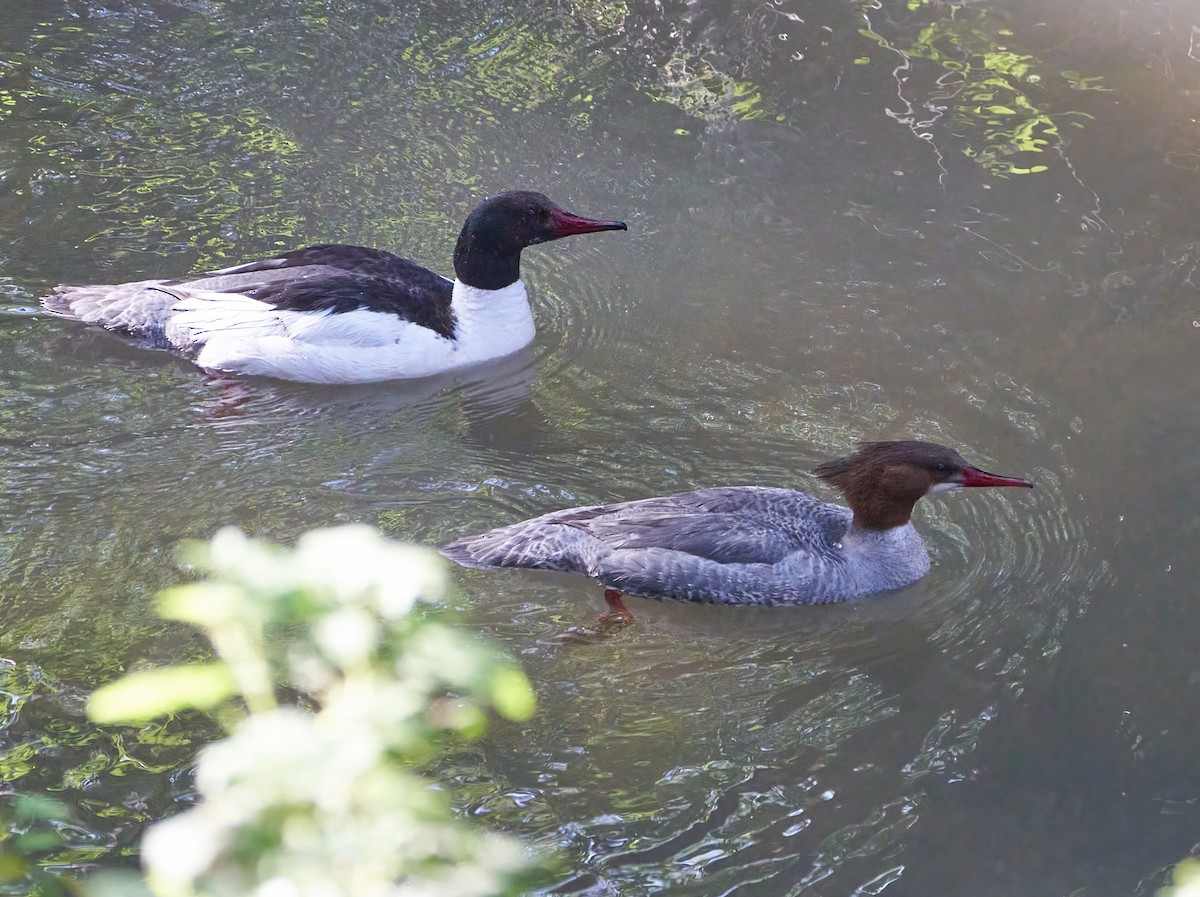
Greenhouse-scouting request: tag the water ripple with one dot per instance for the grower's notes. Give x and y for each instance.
(803, 742)
(772, 304)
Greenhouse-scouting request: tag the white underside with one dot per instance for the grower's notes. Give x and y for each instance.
(231, 332)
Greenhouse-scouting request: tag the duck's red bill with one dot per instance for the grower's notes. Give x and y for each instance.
(569, 224)
(973, 476)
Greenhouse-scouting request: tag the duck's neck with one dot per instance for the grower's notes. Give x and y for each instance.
(491, 323)
(484, 263)
(884, 558)
(876, 508)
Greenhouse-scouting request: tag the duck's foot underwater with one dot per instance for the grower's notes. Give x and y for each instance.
(607, 625)
(230, 393)
(618, 616)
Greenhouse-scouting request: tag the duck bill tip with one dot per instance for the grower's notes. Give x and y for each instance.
(569, 224)
(973, 476)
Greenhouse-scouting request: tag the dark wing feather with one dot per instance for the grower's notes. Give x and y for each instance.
(339, 279)
(364, 259)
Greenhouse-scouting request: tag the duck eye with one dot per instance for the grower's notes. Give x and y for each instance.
(941, 467)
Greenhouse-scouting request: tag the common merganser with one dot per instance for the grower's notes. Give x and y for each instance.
(747, 544)
(345, 314)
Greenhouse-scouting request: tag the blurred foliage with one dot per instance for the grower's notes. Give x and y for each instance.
(93, 787)
(325, 800)
(28, 839)
(1185, 880)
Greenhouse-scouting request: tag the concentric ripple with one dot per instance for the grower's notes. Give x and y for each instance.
(764, 751)
(759, 750)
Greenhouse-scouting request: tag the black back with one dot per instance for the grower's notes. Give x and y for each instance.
(354, 277)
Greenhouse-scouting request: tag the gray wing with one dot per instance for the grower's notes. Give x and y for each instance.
(728, 525)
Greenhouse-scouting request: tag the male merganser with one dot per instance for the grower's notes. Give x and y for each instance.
(345, 314)
(747, 544)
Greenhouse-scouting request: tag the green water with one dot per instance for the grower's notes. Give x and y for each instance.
(847, 220)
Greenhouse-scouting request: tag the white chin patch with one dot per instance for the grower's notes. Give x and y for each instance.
(944, 487)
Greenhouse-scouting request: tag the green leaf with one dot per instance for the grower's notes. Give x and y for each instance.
(512, 695)
(117, 883)
(12, 868)
(38, 806)
(37, 842)
(153, 693)
(201, 603)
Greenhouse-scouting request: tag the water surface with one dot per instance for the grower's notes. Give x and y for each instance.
(847, 220)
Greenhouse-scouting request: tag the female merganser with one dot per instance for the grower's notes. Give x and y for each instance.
(345, 314)
(747, 544)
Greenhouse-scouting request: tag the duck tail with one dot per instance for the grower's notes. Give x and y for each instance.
(61, 303)
(138, 309)
(495, 548)
(521, 545)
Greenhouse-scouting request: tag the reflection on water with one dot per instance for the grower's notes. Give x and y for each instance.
(839, 231)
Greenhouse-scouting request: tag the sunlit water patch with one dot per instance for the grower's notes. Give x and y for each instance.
(111, 782)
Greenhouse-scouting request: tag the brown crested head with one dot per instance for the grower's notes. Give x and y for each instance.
(883, 480)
